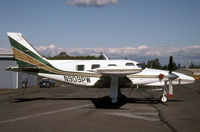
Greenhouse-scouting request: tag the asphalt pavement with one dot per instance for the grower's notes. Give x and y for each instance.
(69, 108)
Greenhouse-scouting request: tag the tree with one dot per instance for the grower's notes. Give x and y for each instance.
(64, 56)
(154, 64)
(63, 53)
(174, 66)
(165, 67)
(192, 65)
(179, 66)
(101, 57)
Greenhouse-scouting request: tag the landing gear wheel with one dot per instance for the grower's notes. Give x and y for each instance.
(163, 98)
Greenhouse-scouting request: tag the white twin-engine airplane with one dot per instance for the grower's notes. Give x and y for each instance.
(90, 72)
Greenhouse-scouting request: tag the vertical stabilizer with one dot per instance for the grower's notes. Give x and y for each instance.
(25, 54)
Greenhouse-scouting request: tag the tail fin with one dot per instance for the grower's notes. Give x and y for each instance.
(25, 54)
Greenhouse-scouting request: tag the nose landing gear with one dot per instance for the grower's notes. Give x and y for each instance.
(163, 98)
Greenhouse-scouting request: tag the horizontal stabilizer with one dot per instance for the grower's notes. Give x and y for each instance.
(24, 69)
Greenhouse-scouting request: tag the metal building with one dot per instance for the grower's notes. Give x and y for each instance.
(13, 80)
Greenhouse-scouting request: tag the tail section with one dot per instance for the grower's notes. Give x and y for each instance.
(26, 55)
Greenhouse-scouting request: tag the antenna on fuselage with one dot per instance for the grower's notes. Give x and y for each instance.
(104, 56)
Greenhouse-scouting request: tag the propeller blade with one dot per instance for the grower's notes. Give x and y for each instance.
(170, 65)
(170, 89)
(172, 76)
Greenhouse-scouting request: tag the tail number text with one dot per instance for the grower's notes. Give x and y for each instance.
(79, 79)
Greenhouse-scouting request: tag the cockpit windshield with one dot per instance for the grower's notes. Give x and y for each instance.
(130, 64)
(140, 66)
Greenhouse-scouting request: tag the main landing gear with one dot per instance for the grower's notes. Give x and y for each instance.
(114, 89)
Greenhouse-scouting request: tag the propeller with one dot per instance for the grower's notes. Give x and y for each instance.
(171, 76)
(170, 65)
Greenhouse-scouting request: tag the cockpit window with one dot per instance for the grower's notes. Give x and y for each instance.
(130, 64)
(141, 66)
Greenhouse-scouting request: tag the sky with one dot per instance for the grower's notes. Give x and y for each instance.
(136, 29)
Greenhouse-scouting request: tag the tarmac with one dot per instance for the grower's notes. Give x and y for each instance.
(78, 109)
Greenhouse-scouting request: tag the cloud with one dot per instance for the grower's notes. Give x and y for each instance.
(94, 3)
(50, 50)
(183, 55)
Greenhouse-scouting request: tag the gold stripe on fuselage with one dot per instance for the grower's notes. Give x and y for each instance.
(22, 56)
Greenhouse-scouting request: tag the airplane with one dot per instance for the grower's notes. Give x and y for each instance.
(91, 72)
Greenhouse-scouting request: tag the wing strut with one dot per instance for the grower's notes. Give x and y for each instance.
(114, 89)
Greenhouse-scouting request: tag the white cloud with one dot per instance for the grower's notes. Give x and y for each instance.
(50, 50)
(183, 55)
(95, 3)
(142, 47)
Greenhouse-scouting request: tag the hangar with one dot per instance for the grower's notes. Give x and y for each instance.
(14, 80)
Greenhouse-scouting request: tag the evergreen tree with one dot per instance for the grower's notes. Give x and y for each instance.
(192, 65)
(63, 53)
(154, 64)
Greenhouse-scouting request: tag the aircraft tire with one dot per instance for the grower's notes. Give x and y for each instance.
(163, 99)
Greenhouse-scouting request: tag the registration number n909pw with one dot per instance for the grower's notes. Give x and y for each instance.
(79, 79)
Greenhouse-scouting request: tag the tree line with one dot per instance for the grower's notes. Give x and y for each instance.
(64, 56)
(154, 63)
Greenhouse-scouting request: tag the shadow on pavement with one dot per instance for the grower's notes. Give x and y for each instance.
(103, 102)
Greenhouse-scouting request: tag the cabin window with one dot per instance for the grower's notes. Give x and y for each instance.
(112, 65)
(80, 67)
(130, 64)
(94, 66)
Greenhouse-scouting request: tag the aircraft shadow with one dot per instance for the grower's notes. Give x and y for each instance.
(103, 102)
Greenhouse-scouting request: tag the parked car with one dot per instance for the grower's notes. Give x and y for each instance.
(46, 83)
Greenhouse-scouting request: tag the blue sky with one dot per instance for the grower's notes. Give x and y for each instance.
(128, 23)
